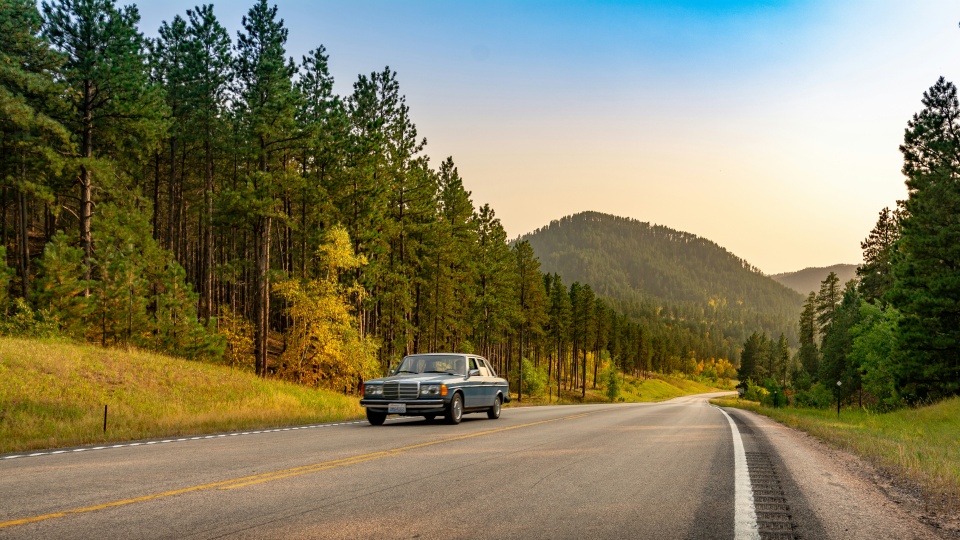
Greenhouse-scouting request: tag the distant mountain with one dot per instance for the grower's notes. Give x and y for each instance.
(638, 265)
(809, 279)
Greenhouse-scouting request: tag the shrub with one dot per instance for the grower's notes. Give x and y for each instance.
(818, 396)
(775, 396)
(534, 378)
(25, 322)
(613, 383)
(755, 393)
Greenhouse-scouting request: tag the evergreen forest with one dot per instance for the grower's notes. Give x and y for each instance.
(207, 196)
(891, 336)
(689, 292)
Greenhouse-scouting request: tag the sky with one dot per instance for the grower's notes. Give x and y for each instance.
(771, 128)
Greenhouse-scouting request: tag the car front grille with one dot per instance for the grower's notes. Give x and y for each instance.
(401, 390)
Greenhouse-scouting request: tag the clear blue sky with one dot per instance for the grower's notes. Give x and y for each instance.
(768, 127)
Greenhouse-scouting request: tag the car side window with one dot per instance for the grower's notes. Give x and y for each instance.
(482, 366)
(490, 371)
(473, 364)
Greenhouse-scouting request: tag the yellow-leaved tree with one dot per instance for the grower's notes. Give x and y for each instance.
(324, 346)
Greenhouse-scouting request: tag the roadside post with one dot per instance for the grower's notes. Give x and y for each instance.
(838, 399)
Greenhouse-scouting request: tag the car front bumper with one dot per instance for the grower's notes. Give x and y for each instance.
(414, 406)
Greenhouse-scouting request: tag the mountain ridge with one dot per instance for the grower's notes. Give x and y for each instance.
(638, 265)
(808, 279)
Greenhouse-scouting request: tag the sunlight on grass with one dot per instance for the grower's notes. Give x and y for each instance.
(53, 395)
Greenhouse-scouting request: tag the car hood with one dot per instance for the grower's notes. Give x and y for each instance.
(420, 377)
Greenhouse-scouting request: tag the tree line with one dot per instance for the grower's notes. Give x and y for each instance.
(213, 198)
(891, 337)
(686, 289)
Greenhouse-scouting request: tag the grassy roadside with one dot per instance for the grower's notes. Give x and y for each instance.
(920, 446)
(52, 395)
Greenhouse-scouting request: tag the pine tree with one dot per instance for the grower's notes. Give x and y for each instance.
(494, 309)
(531, 295)
(451, 271)
(60, 285)
(560, 315)
(837, 343)
(926, 263)
(323, 120)
(828, 299)
(33, 142)
(782, 360)
(754, 350)
(208, 63)
(116, 108)
(875, 272)
(269, 103)
(809, 353)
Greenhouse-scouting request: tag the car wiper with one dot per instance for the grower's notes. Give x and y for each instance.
(405, 371)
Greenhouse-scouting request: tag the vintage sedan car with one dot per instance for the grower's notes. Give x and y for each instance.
(432, 384)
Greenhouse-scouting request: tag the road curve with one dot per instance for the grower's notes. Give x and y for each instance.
(665, 470)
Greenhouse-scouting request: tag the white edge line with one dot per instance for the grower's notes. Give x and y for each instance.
(745, 513)
(126, 445)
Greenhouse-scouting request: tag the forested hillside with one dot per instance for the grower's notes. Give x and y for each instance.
(809, 279)
(651, 270)
(213, 198)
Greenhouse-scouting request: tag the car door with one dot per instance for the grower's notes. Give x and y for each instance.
(473, 387)
(489, 383)
(495, 383)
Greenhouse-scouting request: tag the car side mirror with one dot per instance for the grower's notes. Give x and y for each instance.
(473, 373)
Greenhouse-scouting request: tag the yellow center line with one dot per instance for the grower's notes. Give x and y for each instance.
(244, 481)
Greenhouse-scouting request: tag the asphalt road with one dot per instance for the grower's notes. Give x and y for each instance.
(661, 471)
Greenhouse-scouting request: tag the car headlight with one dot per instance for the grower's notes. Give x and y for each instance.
(373, 389)
(433, 390)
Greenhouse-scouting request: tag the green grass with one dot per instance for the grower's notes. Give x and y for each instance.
(52, 394)
(920, 446)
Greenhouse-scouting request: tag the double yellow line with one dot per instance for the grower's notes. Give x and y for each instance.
(245, 481)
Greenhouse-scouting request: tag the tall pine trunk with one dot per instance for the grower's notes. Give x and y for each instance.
(24, 240)
(86, 181)
(206, 266)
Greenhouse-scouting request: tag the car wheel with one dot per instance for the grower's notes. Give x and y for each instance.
(429, 417)
(376, 418)
(455, 412)
(494, 412)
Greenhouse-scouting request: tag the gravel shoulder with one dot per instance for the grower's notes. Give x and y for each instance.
(847, 496)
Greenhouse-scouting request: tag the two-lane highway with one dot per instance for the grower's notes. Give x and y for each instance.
(666, 470)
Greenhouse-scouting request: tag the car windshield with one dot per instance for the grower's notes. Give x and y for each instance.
(434, 363)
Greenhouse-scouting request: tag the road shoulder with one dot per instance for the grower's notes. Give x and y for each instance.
(848, 497)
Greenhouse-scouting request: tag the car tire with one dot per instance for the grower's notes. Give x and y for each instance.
(494, 412)
(376, 418)
(455, 411)
(429, 417)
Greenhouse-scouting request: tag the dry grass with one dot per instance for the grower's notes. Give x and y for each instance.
(920, 446)
(53, 394)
